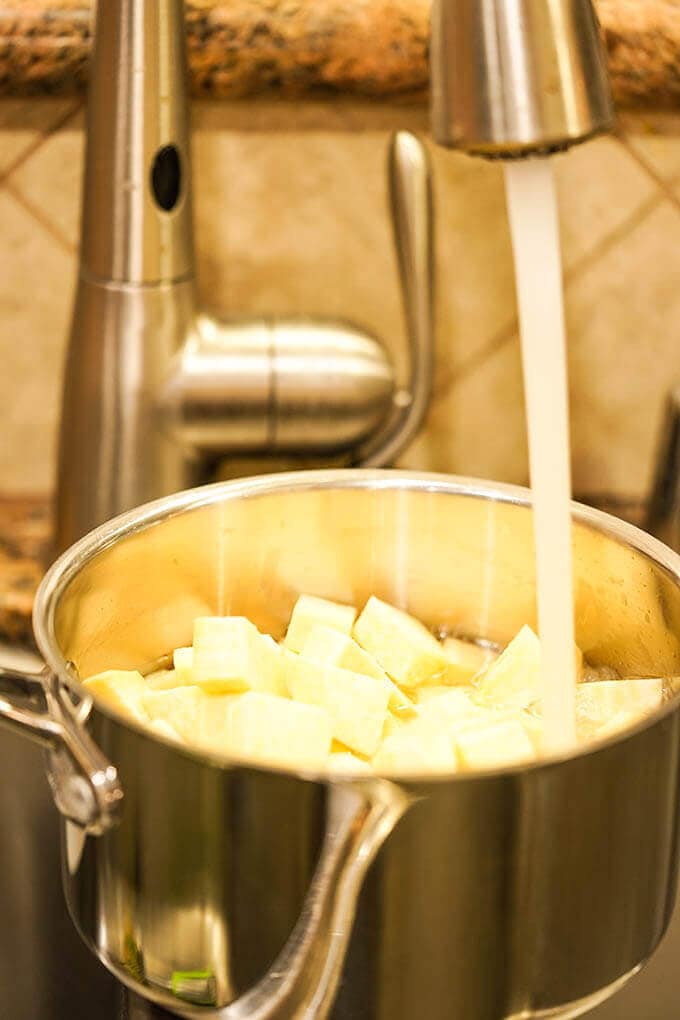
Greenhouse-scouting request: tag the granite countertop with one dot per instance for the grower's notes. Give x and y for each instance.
(25, 529)
(374, 48)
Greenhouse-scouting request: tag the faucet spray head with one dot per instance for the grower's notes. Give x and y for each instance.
(516, 78)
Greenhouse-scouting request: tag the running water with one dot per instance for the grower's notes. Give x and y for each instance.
(532, 209)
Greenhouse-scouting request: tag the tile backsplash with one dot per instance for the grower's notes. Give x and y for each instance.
(291, 218)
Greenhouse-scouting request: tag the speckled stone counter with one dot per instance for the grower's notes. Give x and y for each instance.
(375, 48)
(25, 528)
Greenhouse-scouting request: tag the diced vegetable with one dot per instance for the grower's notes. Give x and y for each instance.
(502, 743)
(213, 724)
(179, 707)
(309, 612)
(402, 645)
(465, 660)
(514, 679)
(601, 702)
(330, 646)
(356, 704)
(224, 653)
(122, 689)
(331, 697)
(183, 661)
(452, 708)
(230, 655)
(272, 729)
(164, 729)
(407, 752)
(166, 679)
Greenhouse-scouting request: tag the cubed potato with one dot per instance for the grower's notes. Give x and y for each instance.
(430, 692)
(465, 660)
(356, 704)
(493, 746)
(277, 730)
(183, 661)
(179, 707)
(395, 723)
(599, 703)
(488, 716)
(121, 689)
(230, 655)
(330, 646)
(223, 654)
(213, 725)
(407, 752)
(161, 679)
(310, 611)
(452, 708)
(166, 679)
(164, 729)
(402, 645)
(513, 680)
(617, 724)
(533, 727)
(269, 678)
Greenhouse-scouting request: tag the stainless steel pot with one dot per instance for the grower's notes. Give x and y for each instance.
(224, 890)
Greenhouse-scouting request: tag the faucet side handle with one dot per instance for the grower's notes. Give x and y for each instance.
(410, 186)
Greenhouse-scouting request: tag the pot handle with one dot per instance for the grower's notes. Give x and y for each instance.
(85, 786)
(302, 983)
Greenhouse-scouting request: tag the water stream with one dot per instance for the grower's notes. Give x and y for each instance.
(532, 210)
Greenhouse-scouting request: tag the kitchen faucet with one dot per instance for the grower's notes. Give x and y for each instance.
(157, 390)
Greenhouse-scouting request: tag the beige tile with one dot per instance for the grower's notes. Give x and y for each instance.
(297, 225)
(655, 139)
(600, 185)
(475, 276)
(477, 427)
(624, 320)
(36, 280)
(24, 121)
(50, 178)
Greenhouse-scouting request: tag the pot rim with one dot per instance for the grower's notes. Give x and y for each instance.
(132, 522)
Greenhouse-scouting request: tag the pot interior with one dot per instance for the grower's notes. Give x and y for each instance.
(458, 556)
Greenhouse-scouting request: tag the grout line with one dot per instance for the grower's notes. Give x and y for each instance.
(649, 168)
(614, 237)
(34, 146)
(505, 334)
(666, 184)
(38, 215)
(445, 380)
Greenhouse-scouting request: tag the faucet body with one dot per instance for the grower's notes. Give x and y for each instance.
(135, 296)
(157, 390)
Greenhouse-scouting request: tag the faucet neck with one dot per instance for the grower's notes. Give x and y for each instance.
(137, 216)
